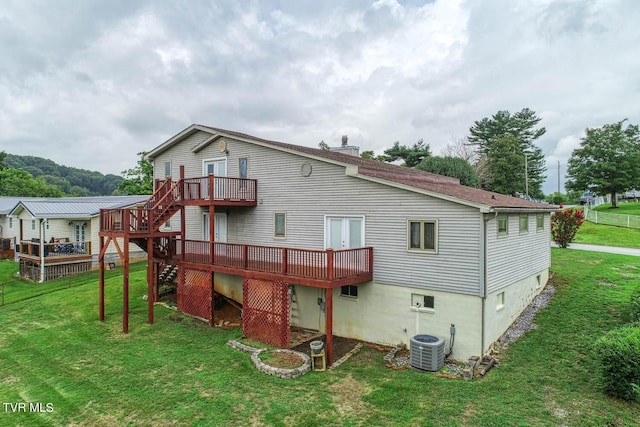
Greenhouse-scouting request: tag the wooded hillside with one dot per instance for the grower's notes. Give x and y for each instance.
(71, 181)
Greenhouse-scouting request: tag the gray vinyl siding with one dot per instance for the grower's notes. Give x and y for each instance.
(517, 255)
(328, 191)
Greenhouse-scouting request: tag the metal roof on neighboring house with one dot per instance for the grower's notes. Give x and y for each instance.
(7, 203)
(73, 207)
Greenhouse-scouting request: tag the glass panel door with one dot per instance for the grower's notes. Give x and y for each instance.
(344, 232)
(216, 167)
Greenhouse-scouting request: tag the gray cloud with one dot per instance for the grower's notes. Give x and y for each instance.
(89, 84)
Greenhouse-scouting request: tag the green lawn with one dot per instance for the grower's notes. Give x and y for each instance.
(623, 208)
(180, 372)
(608, 235)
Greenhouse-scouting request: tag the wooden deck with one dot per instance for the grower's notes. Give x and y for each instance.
(317, 268)
(54, 253)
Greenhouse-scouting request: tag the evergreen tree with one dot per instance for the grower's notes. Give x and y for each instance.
(520, 128)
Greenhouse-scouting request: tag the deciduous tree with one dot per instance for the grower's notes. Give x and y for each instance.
(608, 160)
(138, 180)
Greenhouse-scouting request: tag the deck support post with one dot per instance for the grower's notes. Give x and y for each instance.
(101, 275)
(213, 297)
(125, 273)
(329, 325)
(150, 275)
(212, 226)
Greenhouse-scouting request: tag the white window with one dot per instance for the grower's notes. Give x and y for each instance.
(503, 225)
(349, 291)
(422, 235)
(423, 302)
(280, 225)
(500, 301)
(10, 222)
(167, 169)
(540, 222)
(33, 224)
(344, 232)
(168, 223)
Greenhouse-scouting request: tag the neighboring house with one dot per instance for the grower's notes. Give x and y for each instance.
(57, 237)
(332, 242)
(9, 228)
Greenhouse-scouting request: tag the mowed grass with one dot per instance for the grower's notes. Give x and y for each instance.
(179, 371)
(607, 235)
(622, 208)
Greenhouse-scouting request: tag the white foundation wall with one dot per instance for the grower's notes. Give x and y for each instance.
(382, 314)
(504, 306)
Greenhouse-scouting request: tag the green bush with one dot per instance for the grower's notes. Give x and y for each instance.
(618, 354)
(633, 311)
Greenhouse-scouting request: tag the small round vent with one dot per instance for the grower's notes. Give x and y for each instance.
(427, 352)
(305, 169)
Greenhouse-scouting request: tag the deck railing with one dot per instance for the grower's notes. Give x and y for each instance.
(309, 263)
(54, 250)
(169, 194)
(223, 188)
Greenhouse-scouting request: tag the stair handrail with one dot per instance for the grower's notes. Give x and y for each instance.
(153, 212)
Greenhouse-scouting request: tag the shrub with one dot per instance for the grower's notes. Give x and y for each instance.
(618, 354)
(565, 225)
(632, 311)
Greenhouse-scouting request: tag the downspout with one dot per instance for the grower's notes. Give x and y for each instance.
(42, 222)
(484, 277)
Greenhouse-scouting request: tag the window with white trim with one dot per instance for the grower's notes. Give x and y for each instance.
(539, 222)
(167, 169)
(422, 235)
(419, 301)
(280, 225)
(524, 223)
(349, 291)
(503, 225)
(33, 224)
(10, 222)
(500, 301)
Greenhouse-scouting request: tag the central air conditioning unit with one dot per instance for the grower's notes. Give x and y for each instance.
(427, 352)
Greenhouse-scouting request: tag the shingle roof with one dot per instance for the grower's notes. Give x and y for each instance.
(76, 207)
(387, 172)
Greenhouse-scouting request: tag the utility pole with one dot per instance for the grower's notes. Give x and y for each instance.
(526, 175)
(558, 176)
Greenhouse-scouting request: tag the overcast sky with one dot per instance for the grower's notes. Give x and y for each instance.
(91, 83)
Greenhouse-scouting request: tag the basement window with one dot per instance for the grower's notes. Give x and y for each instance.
(500, 301)
(349, 291)
(423, 302)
